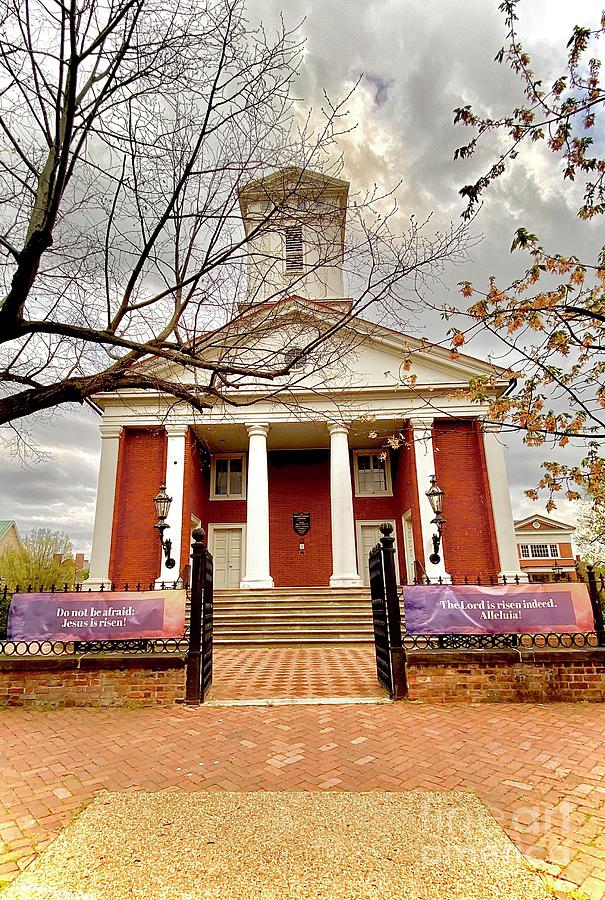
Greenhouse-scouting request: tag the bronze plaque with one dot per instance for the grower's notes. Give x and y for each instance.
(301, 523)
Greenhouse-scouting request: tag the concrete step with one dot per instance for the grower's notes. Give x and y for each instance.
(317, 616)
(291, 641)
(302, 618)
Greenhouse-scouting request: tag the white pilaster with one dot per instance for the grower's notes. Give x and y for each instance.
(344, 557)
(175, 486)
(257, 574)
(425, 469)
(98, 576)
(502, 507)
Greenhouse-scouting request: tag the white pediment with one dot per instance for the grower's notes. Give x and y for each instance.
(358, 355)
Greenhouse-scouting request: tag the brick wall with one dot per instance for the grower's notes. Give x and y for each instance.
(507, 675)
(405, 489)
(469, 536)
(299, 481)
(135, 548)
(378, 509)
(155, 680)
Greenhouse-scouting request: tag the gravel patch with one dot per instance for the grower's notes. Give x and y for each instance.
(172, 845)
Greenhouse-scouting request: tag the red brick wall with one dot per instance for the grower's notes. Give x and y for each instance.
(299, 481)
(469, 535)
(378, 509)
(405, 489)
(507, 676)
(135, 548)
(92, 681)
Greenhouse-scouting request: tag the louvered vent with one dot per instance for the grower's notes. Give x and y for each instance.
(294, 249)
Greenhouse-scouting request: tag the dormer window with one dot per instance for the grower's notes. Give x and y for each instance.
(294, 251)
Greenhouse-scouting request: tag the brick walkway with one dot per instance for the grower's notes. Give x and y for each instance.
(539, 769)
(294, 672)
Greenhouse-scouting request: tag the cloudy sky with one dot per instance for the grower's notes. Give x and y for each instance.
(419, 61)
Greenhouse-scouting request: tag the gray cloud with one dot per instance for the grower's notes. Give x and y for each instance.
(420, 61)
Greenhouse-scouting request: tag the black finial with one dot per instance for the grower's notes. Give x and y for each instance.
(386, 529)
(198, 535)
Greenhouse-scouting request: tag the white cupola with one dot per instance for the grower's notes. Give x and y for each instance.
(295, 219)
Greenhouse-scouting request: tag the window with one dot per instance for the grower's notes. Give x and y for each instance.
(539, 551)
(372, 474)
(294, 251)
(294, 358)
(227, 477)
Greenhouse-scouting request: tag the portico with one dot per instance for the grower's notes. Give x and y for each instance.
(245, 481)
(327, 427)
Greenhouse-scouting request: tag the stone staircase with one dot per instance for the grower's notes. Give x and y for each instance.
(293, 616)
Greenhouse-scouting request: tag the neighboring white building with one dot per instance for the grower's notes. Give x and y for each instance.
(545, 548)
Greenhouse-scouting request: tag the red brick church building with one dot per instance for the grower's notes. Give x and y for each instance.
(316, 452)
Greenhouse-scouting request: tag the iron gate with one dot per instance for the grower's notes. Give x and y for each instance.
(386, 615)
(199, 657)
(379, 619)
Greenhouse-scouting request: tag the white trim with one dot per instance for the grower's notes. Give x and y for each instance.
(359, 523)
(344, 555)
(502, 510)
(425, 470)
(409, 570)
(174, 480)
(387, 468)
(98, 576)
(215, 496)
(213, 526)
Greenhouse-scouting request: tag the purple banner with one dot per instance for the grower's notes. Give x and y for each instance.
(516, 609)
(96, 616)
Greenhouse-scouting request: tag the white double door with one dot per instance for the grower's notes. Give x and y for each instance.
(368, 535)
(227, 548)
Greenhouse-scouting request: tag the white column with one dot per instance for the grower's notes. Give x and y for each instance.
(501, 507)
(422, 430)
(257, 574)
(175, 485)
(344, 557)
(106, 491)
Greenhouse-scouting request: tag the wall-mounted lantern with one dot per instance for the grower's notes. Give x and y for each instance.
(162, 505)
(435, 495)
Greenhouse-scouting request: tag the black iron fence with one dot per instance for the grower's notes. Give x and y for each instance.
(594, 581)
(75, 647)
(196, 641)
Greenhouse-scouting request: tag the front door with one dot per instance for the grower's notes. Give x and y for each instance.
(368, 535)
(226, 550)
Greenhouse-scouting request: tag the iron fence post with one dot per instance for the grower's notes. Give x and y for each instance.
(397, 650)
(194, 655)
(597, 609)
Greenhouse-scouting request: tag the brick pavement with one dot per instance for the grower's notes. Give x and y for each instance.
(539, 769)
(294, 672)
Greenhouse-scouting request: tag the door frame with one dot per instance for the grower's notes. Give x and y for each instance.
(212, 527)
(407, 517)
(359, 523)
